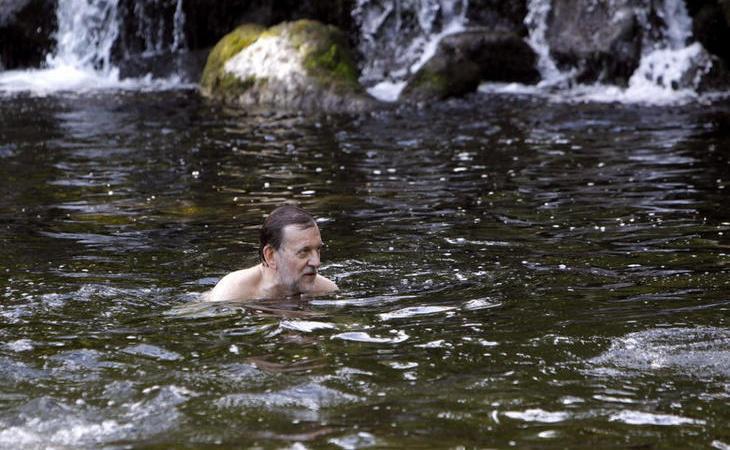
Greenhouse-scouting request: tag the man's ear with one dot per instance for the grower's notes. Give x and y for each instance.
(269, 256)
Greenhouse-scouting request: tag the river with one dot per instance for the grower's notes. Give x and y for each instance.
(514, 271)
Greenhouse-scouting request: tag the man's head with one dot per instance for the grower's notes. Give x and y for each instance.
(290, 245)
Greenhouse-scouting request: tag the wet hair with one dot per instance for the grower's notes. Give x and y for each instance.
(272, 231)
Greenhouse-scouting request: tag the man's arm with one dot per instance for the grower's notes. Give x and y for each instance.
(324, 285)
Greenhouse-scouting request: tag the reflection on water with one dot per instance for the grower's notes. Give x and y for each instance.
(512, 272)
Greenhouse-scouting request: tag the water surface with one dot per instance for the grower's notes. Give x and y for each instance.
(513, 272)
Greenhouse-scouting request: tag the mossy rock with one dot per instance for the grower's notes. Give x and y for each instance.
(302, 65)
(215, 79)
(442, 78)
(464, 59)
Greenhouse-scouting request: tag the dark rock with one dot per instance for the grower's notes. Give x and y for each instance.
(602, 42)
(717, 78)
(26, 32)
(711, 27)
(302, 65)
(500, 56)
(498, 15)
(449, 74)
(463, 60)
(187, 65)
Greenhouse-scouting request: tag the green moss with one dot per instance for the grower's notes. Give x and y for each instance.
(323, 50)
(231, 85)
(214, 77)
(325, 53)
(429, 83)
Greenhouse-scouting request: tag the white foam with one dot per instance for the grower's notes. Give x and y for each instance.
(387, 91)
(415, 311)
(480, 303)
(643, 418)
(42, 82)
(306, 326)
(74, 432)
(538, 415)
(361, 336)
(21, 345)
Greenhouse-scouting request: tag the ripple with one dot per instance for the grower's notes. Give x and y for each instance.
(21, 345)
(481, 303)
(310, 396)
(306, 326)
(361, 336)
(697, 352)
(538, 415)
(152, 351)
(643, 418)
(415, 311)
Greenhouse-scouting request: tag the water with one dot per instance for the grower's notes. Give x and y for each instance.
(513, 271)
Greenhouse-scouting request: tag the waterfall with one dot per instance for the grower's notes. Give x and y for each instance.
(88, 32)
(670, 69)
(159, 28)
(670, 66)
(536, 22)
(398, 36)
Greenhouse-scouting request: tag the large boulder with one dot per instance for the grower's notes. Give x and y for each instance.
(601, 42)
(498, 15)
(26, 32)
(465, 59)
(302, 65)
(711, 26)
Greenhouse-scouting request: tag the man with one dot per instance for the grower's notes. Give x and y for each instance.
(289, 251)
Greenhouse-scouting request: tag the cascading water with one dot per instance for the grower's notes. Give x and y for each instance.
(87, 32)
(398, 36)
(670, 69)
(85, 35)
(536, 22)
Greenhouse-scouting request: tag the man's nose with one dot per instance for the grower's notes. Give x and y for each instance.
(314, 260)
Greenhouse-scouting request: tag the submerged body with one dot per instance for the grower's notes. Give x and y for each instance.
(290, 258)
(253, 283)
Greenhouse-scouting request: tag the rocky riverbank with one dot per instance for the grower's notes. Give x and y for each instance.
(371, 41)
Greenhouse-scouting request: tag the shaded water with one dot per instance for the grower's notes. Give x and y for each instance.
(513, 272)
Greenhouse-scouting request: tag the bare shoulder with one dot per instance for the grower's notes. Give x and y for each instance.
(238, 285)
(323, 285)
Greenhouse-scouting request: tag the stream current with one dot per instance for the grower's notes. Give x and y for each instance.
(513, 272)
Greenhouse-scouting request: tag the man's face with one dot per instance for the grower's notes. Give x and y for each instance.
(297, 259)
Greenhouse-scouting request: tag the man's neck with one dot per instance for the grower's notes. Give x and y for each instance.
(271, 286)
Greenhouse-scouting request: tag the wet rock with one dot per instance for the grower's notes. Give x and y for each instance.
(302, 65)
(463, 60)
(498, 15)
(711, 26)
(26, 29)
(601, 41)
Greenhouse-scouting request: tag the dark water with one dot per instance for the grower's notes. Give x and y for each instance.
(513, 273)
